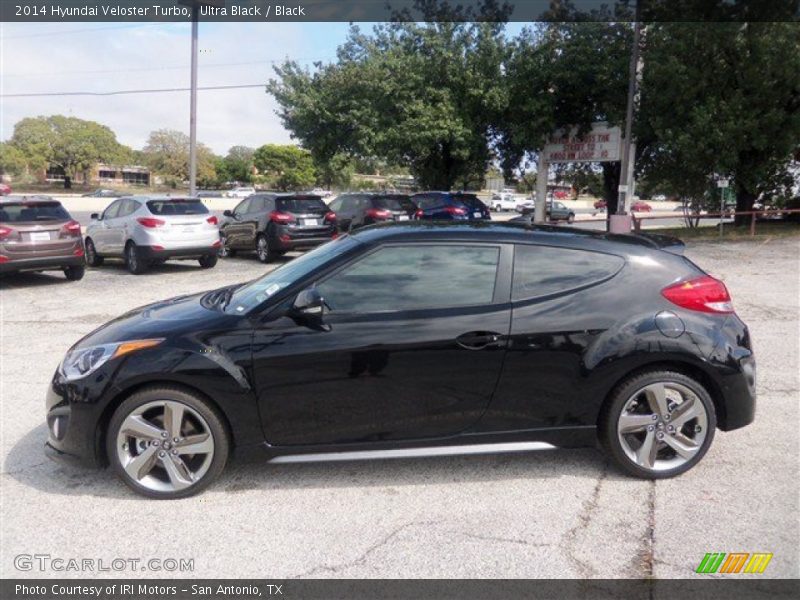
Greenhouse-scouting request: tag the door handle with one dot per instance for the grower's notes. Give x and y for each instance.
(478, 340)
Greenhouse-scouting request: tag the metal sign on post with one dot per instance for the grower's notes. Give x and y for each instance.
(600, 144)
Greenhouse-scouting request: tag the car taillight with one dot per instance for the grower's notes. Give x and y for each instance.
(5, 232)
(150, 222)
(330, 217)
(72, 228)
(704, 294)
(419, 213)
(281, 217)
(454, 210)
(3, 259)
(212, 221)
(378, 213)
(217, 244)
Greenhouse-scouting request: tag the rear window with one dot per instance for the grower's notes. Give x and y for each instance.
(544, 270)
(176, 207)
(300, 205)
(392, 202)
(39, 211)
(470, 200)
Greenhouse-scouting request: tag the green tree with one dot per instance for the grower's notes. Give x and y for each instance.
(285, 167)
(237, 165)
(12, 160)
(167, 154)
(73, 144)
(336, 172)
(425, 95)
(721, 98)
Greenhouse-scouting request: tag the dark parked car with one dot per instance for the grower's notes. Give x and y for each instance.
(274, 224)
(38, 234)
(450, 206)
(412, 339)
(357, 210)
(556, 211)
(103, 194)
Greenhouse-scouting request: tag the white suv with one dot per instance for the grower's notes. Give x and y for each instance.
(147, 230)
(240, 192)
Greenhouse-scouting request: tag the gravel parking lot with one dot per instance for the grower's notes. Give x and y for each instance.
(545, 514)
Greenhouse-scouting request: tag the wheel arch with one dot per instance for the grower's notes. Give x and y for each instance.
(685, 368)
(103, 422)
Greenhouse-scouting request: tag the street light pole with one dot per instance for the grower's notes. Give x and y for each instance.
(626, 144)
(193, 106)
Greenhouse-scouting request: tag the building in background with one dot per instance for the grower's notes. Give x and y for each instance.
(102, 173)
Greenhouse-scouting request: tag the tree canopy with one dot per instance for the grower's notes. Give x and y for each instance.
(285, 167)
(167, 153)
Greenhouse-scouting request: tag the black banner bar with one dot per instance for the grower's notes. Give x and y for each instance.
(746, 587)
(387, 10)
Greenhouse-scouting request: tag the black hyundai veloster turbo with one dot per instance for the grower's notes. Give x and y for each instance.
(420, 338)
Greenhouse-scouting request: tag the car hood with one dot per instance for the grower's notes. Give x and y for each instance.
(163, 319)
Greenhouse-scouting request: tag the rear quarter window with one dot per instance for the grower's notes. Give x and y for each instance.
(546, 270)
(300, 205)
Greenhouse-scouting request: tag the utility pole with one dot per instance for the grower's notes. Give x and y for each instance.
(193, 105)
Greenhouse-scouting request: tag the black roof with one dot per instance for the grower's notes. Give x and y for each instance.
(489, 231)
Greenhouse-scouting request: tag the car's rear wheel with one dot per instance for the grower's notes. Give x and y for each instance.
(74, 273)
(262, 248)
(135, 263)
(658, 424)
(92, 258)
(165, 442)
(208, 261)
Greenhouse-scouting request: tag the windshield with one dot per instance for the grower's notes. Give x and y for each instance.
(254, 293)
(177, 207)
(39, 211)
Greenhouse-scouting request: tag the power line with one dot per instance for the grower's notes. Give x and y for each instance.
(143, 91)
(124, 70)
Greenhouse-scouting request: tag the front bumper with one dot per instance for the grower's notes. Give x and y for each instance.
(51, 263)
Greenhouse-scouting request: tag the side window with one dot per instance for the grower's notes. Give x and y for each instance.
(543, 270)
(414, 277)
(128, 206)
(113, 210)
(256, 204)
(336, 205)
(243, 207)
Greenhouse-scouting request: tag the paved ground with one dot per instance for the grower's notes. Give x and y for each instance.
(546, 514)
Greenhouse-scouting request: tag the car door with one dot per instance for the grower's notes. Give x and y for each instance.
(412, 348)
(346, 212)
(555, 324)
(102, 234)
(118, 232)
(234, 229)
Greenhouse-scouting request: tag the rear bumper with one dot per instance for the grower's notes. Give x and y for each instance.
(740, 396)
(192, 252)
(286, 240)
(51, 263)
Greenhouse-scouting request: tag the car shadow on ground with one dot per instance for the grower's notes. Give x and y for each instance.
(10, 281)
(27, 464)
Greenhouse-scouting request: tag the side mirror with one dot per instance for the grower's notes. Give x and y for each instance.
(227, 213)
(309, 308)
(95, 216)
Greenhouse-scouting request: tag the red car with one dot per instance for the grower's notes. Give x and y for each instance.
(600, 205)
(640, 206)
(5, 189)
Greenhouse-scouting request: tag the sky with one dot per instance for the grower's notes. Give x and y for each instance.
(102, 57)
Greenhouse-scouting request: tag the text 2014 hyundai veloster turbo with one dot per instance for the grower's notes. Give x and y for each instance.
(410, 339)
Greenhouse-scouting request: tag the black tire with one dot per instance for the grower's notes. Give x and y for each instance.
(607, 426)
(135, 263)
(209, 413)
(224, 250)
(208, 261)
(263, 251)
(75, 273)
(571, 218)
(92, 258)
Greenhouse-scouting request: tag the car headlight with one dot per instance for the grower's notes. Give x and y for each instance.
(83, 361)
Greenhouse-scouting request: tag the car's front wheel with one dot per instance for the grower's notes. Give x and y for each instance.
(658, 424)
(165, 442)
(571, 218)
(92, 258)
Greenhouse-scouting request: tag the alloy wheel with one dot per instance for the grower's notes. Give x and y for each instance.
(662, 426)
(133, 259)
(262, 248)
(165, 446)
